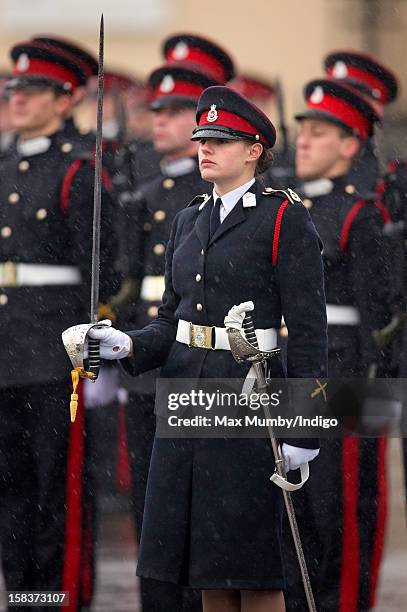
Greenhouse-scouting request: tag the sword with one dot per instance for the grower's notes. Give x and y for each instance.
(248, 350)
(93, 346)
(74, 337)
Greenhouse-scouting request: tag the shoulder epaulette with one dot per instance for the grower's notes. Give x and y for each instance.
(288, 193)
(200, 199)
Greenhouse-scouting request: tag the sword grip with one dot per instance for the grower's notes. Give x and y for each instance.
(94, 357)
(249, 330)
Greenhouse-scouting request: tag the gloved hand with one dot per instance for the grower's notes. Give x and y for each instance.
(295, 456)
(114, 344)
(236, 314)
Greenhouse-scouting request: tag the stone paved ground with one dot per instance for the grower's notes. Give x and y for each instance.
(117, 589)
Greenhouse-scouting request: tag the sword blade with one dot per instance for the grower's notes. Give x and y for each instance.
(97, 193)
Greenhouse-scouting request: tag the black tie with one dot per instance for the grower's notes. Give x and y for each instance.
(214, 220)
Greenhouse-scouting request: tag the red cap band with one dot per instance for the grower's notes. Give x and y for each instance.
(367, 78)
(231, 121)
(49, 70)
(251, 88)
(200, 59)
(180, 88)
(346, 113)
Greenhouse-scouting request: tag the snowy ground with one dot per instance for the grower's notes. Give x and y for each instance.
(117, 589)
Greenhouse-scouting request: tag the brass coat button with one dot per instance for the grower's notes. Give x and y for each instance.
(307, 203)
(41, 214)
(159, 249)
(6, 231)
(350, 189)
(198, 277)
(3, 299)
(66, 147)
(23, 166)
(159, 215)
(152, 311)
(14, 197)
(199, 307)
(168, 183)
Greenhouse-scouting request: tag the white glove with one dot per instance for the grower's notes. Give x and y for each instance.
(236, 314)
(104, 390)
(114, 344)
(295, 456)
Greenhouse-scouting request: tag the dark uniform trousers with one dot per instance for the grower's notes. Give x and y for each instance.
(45, 225)
(342, 508)
(150, 216)
(189, 501)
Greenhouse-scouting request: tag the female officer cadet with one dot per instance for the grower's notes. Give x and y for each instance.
(212, 521)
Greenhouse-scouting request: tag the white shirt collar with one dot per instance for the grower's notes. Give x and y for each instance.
(230, 199)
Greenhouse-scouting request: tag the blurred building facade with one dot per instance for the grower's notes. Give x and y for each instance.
(269, 37)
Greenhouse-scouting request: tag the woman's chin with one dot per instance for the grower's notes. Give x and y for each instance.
(208, 174)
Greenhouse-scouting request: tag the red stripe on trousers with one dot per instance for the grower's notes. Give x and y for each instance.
(350, 568)
(380, 519)
(123, 473)
(73, 529)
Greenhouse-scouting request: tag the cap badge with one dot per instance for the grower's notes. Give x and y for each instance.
(317, 95)
(181, 51)
(167, 84)
(212, 114)
(340, 70)
(23, 63)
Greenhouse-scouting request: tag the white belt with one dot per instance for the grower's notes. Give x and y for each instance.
(34, 275)
(152, 288)
(342, 315)
(196, 336)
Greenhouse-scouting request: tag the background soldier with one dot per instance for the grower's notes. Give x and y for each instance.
(344, 506)
(46, 222)
(380, 87)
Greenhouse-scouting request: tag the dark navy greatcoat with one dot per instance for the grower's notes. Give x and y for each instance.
(212, 519)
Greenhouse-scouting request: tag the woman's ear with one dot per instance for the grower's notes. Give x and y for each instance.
(256, 150)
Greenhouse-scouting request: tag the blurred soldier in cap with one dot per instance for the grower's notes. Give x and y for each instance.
(45, 229)
(380, 87)
(343, 509)
(88, 65)
(263, 94)
(176, 87)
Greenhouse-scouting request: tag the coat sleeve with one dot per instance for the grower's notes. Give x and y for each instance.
(153, 343)
(300, 279)
(370, 279)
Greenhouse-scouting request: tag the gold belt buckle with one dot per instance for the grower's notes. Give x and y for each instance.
(8, 274)
(200, 336)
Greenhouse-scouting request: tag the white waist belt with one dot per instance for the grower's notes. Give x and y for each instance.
(152, 288)
(34, 275)
(342, 315)
(267, 338)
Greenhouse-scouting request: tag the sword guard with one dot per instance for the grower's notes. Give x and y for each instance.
(74, 341)
(244, 351)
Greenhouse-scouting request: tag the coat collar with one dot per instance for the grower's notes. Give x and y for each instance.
(237, 215)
